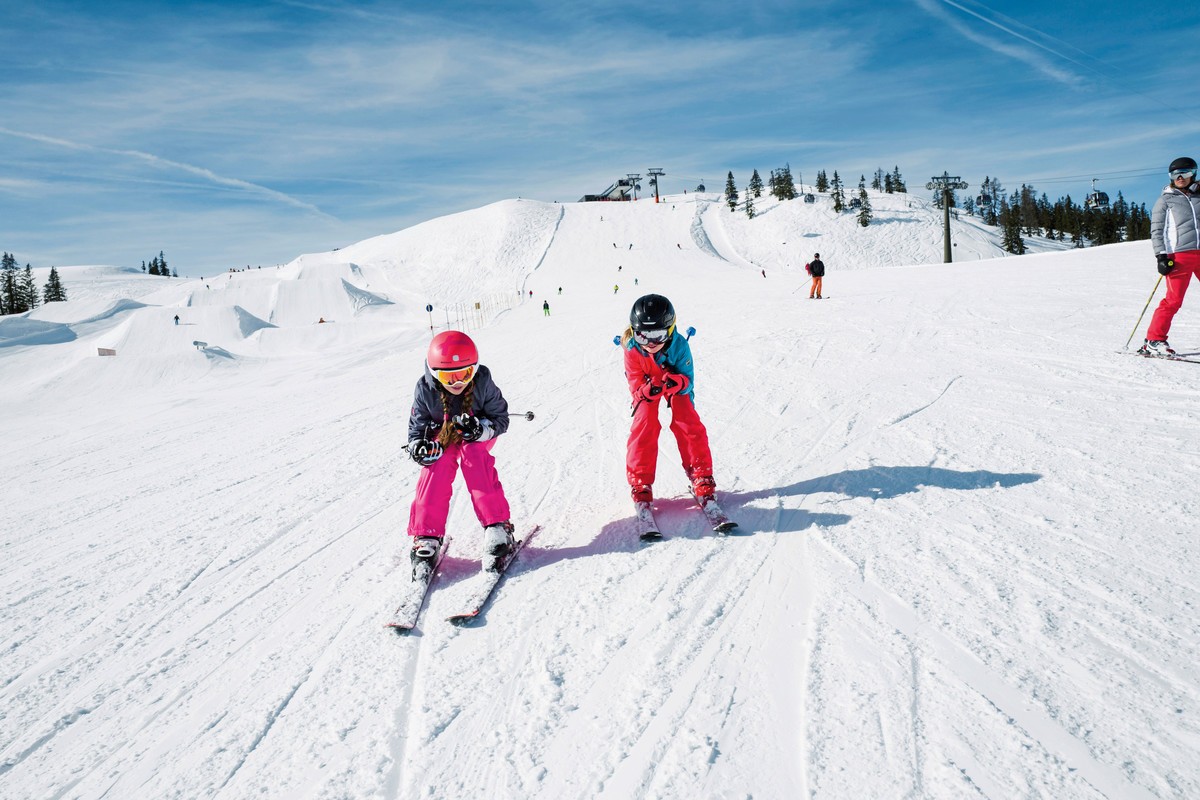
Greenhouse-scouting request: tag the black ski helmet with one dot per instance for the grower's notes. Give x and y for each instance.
(1182, 163)
(652, 312)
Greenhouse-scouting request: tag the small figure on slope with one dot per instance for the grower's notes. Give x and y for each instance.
(658, 365)
(1176, 239)
(816, 268)
(457, 413)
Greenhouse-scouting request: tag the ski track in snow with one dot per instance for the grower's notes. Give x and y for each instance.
(935, 593)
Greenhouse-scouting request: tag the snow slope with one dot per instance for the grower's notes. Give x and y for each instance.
(968, 562)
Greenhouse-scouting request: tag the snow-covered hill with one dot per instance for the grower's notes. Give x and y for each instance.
(967, 566)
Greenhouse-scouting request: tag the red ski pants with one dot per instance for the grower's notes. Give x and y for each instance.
(641, 453)
(431, 506)
(1187, 264)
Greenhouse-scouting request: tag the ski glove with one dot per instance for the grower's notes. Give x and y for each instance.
(674, 384)
(473, 429)
(424, 451)
(1166, 263)
(648, 390)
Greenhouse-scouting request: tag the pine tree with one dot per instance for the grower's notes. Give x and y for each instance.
(8, 283)
(27, 292)
(162, 265)
(749, 204)
(54, 291)
(822, 183)
(839, 198)
(864, 208)
(898, 182)
(755, 186)
(784, 186)
(1010, 220)
(877, 180)
(731, 193)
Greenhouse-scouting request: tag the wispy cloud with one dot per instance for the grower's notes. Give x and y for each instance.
(166, 163)
(1015, 51)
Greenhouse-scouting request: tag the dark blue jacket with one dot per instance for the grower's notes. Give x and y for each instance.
(427, 415)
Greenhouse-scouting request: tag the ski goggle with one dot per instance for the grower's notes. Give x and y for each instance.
(1179, 173)
(449, 377)
(653, 337)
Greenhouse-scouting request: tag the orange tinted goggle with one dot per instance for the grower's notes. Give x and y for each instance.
(449, 377)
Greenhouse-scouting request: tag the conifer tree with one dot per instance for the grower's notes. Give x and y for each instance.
(898, 182)
(877, 180)
(864, 208)
(27, 293)
(8, 283)
(731, 193)
(839, 197)
(749, 204)
(822, 182)
(54, 291)
(755, 186)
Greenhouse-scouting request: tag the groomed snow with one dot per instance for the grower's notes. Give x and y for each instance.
(968, 566)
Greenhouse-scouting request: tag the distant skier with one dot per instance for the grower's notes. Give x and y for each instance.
(658, 364)
(457, 413)
(560, 290)
(1176, 238)
(546, 308)
(816, 268)
(176, 319)
(615, 288)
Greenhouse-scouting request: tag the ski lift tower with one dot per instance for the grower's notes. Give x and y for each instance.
(946, 184)
(654, 172)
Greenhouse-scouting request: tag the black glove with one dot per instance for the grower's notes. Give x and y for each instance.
(424, 451)
(471, 428)
(1166, 263)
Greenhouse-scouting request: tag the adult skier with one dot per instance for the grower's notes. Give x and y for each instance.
(658, 366)
(457, 413)
(1175, 235)
(816, 268)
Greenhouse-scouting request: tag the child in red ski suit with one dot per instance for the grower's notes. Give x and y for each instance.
(658, 366)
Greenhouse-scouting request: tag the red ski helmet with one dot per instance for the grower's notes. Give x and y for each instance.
(451, 350)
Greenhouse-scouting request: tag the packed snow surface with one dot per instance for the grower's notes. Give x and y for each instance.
(967, 564)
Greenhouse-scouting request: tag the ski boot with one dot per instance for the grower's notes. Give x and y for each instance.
(497, 544)
(424, 556)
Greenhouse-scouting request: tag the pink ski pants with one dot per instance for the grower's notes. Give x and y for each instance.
(1187, 264)
(431, 506)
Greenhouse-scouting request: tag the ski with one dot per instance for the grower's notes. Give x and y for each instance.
(716, 516)
(405, 617)
(647, 527)
(1161, 358)
(486, 583)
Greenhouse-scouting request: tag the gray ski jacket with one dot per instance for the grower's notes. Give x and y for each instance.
(1175, 221)
(427, 415)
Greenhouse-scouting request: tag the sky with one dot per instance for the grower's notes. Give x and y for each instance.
(232, 134)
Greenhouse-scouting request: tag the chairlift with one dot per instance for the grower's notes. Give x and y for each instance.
(810, 198)
(1096, 199)
(855, 202)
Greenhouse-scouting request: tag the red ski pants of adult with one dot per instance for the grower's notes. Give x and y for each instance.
(816, 287)
(1187, 264)
(641, 454)
(431, 506)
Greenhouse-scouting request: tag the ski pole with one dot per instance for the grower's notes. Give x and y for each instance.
(1139, 322)
(526, 414)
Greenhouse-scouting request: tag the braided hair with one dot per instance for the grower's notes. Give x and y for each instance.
(449, 434)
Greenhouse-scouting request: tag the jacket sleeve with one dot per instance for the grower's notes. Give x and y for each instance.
(635, 369)
(679, 359)
(1158, 219)
(490, 404)
(420, 419)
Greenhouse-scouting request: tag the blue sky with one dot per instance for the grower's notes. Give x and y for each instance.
(228, 134)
